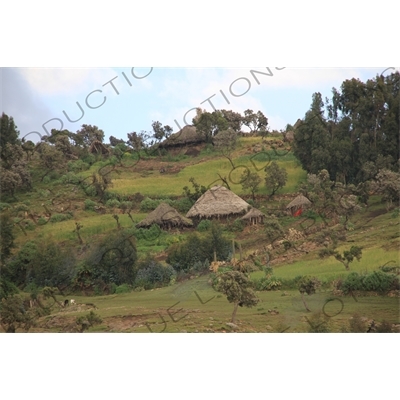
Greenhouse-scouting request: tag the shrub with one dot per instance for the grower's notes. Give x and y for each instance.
(270, 283)
(90, 205)
(199, 249)
(70, 177)
(77, 166)
(204, 225)
(122, 289)
(237, 226)
(183, 205)
(4, 206)
(60, 217)
(113, 203)
(377, 281)
(154, 275)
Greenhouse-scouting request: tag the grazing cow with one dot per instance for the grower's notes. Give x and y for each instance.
(72, 302)
(66, 303)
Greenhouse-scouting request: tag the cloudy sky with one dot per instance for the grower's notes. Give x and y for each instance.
(122, 100)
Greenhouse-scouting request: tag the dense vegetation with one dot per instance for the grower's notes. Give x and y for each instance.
(70, 203)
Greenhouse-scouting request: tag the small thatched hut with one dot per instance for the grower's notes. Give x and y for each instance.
(166, 217)
(254, 217)
(188, 135)
(298, 205)
(218, 202)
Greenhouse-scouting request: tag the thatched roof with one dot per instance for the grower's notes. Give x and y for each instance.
(298, 201)
(216, 202)
(187, 135)
(164, 215)
(253, 213)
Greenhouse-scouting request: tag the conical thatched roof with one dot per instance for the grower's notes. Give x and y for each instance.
(216, 202)
(187, 135)
(253, 213)
(298, 201)
(164, 215)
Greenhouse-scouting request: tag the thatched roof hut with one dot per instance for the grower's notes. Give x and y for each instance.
(188, 135)
(298, 204)
(218, 202)
(166, 217)
(254, 217)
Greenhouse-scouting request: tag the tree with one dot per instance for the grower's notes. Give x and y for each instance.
(387, 183)
(7, 236)
(225, 142)
(89, 134)
(309, 285)
(13, 315)
(235, 120)
(237, 288)
(273, 230)
(8, 135)
(346, 258)
(51, 159)
(250, 181)
(256, 122)
(209, 124)
(199, 190)
(276, 177)
(161, 132)
(113, 260)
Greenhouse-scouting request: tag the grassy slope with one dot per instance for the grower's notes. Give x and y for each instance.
(375, 230)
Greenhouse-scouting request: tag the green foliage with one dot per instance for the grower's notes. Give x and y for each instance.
(268, 283)
(358, 125)
(276, 177)
(237, 288)
(44, 264)
(237, 226)
(250, 181)
(113, 203)
(7, 236)
(122, 289)
(198, 190)
(90, 204)
(14, 316)
(77, 166)
(199, 249)
(149, 234)
(204, 225)
(70, 177)
(308, 284)
(151, 274)
(113, 259)
(183, 205)
(376, 281)
(7, 288)
(60, 217)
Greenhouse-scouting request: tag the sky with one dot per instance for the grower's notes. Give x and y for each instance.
(123, 100)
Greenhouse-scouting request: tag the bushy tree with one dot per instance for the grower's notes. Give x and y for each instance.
(250, 181)
(113, 259)
(238, 289)
(14, 316)
(309, 285)
(225, 142)
(210, 124)
(276, 177)
(198, 249)
(256, 122)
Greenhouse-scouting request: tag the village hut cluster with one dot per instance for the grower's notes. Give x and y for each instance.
(217, 203)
